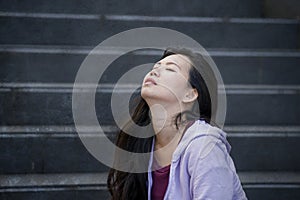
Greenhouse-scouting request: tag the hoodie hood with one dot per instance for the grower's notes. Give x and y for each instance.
(211, 136)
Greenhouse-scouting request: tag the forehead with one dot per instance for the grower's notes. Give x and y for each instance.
(183, 61)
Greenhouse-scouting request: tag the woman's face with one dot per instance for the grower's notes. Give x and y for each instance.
(167, 82)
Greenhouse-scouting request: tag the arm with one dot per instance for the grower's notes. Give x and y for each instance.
(214, 184)
(211, 176)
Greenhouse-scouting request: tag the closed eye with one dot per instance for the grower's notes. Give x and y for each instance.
(169, 69)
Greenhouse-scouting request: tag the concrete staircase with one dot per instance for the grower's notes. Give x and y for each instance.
(43, 43)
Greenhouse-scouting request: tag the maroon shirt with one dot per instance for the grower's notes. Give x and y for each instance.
(160, 183)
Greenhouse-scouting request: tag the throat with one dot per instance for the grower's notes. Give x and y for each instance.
(164, 149)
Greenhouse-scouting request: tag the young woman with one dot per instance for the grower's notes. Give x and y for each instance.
(189, 155)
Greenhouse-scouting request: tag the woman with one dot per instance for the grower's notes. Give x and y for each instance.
(189, 156)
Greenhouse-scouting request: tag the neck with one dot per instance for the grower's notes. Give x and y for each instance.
(162, 118)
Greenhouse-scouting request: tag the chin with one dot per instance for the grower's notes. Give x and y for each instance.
(146, 94)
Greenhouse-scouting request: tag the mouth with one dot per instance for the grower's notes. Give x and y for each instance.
(150, 81)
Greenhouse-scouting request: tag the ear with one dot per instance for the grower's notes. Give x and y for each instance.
(190, 96)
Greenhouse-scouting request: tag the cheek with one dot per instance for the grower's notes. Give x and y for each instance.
(176, 87)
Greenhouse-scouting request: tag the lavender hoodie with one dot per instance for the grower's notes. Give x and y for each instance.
(201, 167)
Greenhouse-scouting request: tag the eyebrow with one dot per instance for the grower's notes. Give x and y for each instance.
(170, 63)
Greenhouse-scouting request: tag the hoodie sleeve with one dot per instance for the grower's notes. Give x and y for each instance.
(211, 175)
(214, 184)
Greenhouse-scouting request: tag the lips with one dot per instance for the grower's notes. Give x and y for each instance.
(150, 80)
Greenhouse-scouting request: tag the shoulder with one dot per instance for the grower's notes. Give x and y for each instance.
(207, 151)
(207, 141)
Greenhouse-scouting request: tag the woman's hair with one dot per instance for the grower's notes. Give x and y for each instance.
(131, 186)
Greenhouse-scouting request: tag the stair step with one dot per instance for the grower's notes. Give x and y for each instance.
(17, 181)
(34, 63)
(53, 186)
(282, 9)
(91, 185)
(58, 149)
(249, 8)
(51, 104)
(72, 29)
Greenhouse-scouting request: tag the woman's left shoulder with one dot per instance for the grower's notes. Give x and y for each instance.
(210, 147)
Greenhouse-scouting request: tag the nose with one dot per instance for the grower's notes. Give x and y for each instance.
(154, 72)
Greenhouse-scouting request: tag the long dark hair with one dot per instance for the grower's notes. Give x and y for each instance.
(133, 186)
